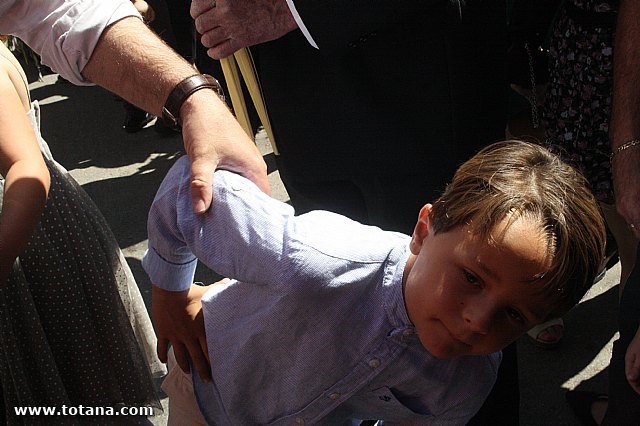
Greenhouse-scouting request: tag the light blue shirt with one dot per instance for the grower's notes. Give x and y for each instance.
(313, 330)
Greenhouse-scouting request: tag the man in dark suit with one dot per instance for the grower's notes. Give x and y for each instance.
(395, 97)
(373, 103)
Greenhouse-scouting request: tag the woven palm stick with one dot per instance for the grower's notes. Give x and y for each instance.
(248, 71)
(232, 77)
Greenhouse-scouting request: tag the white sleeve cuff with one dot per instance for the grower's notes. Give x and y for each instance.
(303, 28)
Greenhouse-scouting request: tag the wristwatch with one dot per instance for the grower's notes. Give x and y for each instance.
(180, 93)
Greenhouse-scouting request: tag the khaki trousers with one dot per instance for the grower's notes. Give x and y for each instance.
(183, 407)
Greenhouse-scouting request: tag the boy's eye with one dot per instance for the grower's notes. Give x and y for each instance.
(470, 277)
(515, 315)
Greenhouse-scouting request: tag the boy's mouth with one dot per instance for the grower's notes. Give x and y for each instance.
(460, 340)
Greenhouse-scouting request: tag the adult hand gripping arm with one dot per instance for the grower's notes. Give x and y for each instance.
(106, 43)
(144, 73)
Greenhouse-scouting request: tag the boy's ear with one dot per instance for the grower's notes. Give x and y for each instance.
(421, 231)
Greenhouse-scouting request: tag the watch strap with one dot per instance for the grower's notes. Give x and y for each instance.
(182, 91)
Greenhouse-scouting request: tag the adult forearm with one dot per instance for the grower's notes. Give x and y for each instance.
(131, 61)
(625, 118)
(134, 63)
(624, 128)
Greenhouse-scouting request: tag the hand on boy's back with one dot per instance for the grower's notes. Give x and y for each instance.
(177, 317)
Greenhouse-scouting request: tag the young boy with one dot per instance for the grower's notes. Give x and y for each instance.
(329, 321)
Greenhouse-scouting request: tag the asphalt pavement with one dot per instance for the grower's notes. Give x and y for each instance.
(121, 172)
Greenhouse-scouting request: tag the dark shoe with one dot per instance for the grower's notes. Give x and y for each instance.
(581, 403)
(135, 119)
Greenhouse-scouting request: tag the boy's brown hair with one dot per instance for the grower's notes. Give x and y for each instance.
(515, 179)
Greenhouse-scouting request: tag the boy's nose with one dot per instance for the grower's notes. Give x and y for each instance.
(478, 316)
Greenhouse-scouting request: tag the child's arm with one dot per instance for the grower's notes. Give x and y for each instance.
(26, 176)
(177, 318)
(632, 362)
(220, 238)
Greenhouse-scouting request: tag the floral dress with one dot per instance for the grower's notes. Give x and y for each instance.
(578, 104)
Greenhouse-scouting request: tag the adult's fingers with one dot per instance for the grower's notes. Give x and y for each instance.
(213, 138)
(201, 187)
(632, 362)
(201, 146)
(633, 371)
(257, 176)
(198, 7)
(162, 349)
(213, 37)
(223, 50)
(200, 362)
(182, 356)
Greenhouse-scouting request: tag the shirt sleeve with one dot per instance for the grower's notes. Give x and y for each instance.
(301, 25)
(242, 235)
(63, 32)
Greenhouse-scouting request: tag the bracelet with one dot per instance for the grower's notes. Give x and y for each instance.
(180, 93)
(628, 144)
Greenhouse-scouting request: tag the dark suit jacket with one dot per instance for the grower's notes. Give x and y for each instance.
(396, 86)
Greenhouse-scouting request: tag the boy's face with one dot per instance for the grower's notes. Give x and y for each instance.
(467, 296)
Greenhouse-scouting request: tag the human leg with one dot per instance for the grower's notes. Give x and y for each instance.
(625, 240)
(624, 402)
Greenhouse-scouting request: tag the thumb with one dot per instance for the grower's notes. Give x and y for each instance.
(201, 192)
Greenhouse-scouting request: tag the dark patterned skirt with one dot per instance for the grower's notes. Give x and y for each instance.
(67, 318)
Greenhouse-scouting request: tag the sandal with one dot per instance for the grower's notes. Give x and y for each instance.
(548, 334)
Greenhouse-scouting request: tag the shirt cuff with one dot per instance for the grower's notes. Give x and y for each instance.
(301, 25)
(167, 275)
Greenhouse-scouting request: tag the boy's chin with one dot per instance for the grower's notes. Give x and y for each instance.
(444, 350)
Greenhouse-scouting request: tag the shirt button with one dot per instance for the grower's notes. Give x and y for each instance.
(334, 396)
(374, 363)
(299, 420)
